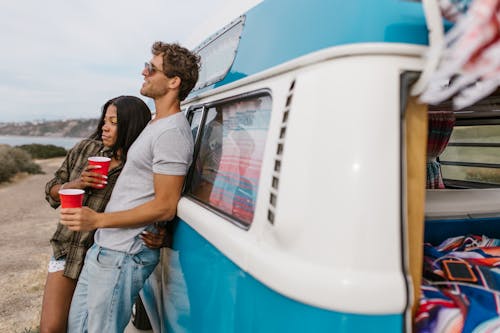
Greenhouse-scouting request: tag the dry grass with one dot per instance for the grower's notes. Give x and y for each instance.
(25, 292)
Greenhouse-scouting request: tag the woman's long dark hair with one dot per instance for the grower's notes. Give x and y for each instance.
(133, 115)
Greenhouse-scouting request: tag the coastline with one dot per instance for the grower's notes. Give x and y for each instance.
(17, 140)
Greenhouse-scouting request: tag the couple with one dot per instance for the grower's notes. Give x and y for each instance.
(125, 251)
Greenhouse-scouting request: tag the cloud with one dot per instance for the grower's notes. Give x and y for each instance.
(65, 59)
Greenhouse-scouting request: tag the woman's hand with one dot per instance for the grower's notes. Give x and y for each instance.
(89, 178)
(155, 240)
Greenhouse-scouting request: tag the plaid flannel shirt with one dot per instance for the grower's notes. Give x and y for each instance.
(70, 244)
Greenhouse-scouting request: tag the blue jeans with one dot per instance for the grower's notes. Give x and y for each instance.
(107, 288)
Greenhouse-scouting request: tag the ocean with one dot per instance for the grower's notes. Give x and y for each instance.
(14, 140)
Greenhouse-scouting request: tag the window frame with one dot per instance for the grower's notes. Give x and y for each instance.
(190, 111)
(199, 134)
(213, 41)
(465, 120)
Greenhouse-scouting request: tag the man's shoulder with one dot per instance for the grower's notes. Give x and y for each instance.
(172, 121)
(173, 124)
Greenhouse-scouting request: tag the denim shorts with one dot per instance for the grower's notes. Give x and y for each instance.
(56, 265)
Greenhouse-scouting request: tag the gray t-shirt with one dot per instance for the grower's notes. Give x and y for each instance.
(165, 147)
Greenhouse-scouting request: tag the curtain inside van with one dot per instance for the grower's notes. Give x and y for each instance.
(440, 127)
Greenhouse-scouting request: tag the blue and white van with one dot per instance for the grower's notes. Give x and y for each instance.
(300, 212)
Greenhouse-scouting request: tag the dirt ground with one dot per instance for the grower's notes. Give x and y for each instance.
(26, 224)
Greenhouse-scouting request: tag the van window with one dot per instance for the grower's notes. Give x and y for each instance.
(227, 167)
(218, 53)
(473, 156)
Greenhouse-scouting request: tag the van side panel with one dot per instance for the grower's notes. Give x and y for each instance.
(205, 291)
(277, 31)
(332, 259)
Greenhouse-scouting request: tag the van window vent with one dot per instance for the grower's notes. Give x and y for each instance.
(273, 196)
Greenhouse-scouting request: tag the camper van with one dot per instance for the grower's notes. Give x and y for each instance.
(308, 206)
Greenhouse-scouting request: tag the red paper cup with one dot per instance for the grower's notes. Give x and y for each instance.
(103, 162)
(71, 198)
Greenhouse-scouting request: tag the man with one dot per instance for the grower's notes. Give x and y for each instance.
(146, 192)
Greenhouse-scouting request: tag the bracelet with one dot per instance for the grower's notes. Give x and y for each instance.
(62, 186)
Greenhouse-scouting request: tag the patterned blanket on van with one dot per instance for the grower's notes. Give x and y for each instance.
(464, 301)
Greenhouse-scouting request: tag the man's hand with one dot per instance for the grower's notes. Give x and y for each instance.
(79, 219)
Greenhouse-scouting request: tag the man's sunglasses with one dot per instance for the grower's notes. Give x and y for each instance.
(151, 69)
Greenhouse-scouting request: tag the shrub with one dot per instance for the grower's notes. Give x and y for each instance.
(23, 161)
(7, 165)
(14, 160)
(44, 151)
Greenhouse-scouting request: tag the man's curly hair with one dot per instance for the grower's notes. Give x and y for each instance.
(179, 61)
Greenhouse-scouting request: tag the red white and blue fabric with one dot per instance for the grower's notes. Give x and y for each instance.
(452, 10)
(469, 67)
(456, 306)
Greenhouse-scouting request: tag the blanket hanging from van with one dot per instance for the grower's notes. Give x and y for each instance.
(469, 68)
(467, 300)
(452, 10)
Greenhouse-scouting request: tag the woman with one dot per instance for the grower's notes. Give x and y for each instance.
(122, 120)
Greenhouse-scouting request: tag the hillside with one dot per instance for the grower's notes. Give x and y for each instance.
(77, 128)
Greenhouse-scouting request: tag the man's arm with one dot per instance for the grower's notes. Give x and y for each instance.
(162, 208)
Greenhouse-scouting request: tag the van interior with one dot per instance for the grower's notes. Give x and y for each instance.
(456, 275)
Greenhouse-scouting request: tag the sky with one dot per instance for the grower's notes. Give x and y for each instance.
(64, 59)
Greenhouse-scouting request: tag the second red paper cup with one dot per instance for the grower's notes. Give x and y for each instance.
(71, 198)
